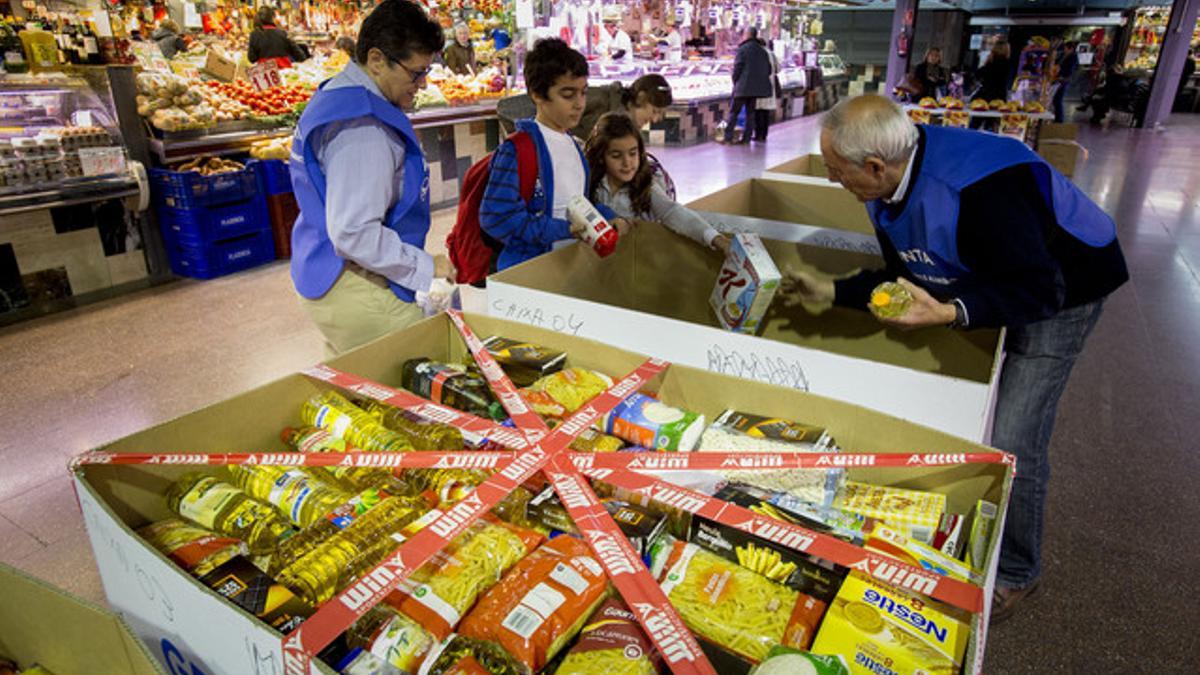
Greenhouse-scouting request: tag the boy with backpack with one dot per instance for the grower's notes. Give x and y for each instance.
(535, 172)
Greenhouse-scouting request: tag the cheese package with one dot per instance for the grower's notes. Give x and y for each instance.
(878, 628)
(746, 285)
(890, 542)
(915, 513)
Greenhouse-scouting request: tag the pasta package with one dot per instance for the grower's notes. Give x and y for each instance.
(611, 642)
(541, 603)
(441, 591)
(739, 610)
(564, 392)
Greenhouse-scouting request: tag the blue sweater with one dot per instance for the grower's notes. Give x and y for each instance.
(526, 229)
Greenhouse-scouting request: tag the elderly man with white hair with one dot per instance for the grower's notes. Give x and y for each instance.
(983, 233)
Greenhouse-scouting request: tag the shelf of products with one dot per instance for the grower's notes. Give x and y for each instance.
(1149, 29)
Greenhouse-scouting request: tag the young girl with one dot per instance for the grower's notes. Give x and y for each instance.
(623, 180)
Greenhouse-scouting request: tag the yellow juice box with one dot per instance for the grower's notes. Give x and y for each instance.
(880, 630)
(915, 513)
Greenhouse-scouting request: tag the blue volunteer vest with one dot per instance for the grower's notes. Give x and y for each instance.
(315, 264)
(925, 233)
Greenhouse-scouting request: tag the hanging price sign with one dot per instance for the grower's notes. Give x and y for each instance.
(264, 75)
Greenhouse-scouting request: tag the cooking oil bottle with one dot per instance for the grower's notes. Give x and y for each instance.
(217, 505)
(348, 478)
(423, 435)
(334, 413)
(300, 496)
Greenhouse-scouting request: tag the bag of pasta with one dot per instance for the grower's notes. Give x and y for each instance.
(541, 603)
(439, 593)
(737, 609)
(566, 391)
(611, 643)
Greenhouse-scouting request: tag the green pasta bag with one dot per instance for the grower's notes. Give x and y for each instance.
(611, 642)
(734, 608)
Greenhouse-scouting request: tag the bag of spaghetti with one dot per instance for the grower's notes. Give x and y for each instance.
(541, 604)
(439, 593)
(611, 643)
(739, 610)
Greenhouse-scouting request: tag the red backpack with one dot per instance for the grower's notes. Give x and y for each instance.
(471, 249)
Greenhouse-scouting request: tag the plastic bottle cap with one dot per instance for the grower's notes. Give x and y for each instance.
(607, 243)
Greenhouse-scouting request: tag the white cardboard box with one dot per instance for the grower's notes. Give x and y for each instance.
(745, 285)
(651, 296)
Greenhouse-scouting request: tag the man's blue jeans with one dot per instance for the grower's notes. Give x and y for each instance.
(1039, 359)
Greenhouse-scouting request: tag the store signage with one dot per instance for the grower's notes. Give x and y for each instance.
(264, 75)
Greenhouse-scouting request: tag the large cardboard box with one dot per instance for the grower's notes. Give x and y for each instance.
(818, 213)
(43, 625)
(651, 296)
(163, 603)
(810, 166)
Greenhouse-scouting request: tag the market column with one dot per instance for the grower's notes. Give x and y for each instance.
(1174, 50)
(904, 27)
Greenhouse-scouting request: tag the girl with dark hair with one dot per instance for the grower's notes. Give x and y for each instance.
(645, 101)
(269, 42)
(624, 180)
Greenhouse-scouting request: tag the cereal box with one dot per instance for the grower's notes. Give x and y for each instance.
(747, 282)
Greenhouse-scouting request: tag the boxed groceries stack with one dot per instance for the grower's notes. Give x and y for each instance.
(635, 297)
(474, 495)
(47, 631)
(800, 209)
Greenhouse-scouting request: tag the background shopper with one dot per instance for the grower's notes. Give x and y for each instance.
(268, 41)
(751, 81)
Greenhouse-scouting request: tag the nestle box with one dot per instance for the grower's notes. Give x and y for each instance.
(204, 633)
(811, 211)
(652, 296)
(812, 166)
(43, 625)
(745, 285)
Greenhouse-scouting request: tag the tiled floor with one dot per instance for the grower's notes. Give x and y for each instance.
(1120, 559)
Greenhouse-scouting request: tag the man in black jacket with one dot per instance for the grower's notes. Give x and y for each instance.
(751, 80)
(983, 233)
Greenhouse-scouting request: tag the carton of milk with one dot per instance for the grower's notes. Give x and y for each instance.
(747, 282)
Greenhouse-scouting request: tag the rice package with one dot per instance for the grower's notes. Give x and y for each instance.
(541, 604)
(745, 286)
(737, 609)
(735, 431)
(441, 591)
(611, 642)
(645, 421)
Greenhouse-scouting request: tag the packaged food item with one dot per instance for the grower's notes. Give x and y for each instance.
(393, 638)
(336, 414)
(979, 105)
(745, 286)
(564, 392)
(541, 604)
(875, 626)
(195, 549)
(453, 385)
(735, 431)
(450, 485)
(788, 661)
(598, 234)
(524, 362)
(219, 506)
(788, 508)
(919, 115)
(464, 655)
(590, 440)
(439, 593)
(298, 495)
(611, 642)
(983, 522)
(798, 571)
(886, 540)
(890, 300)
(646, 421)
(421, 433)
(640, 526)
(913, 512)
(361, 662)
(928, 102)
(735, 608)
(951, 537)
(248, 587)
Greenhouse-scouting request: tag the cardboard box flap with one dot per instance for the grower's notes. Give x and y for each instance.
(658, 272)
(804, 165)
(41, 624)
(828, 206)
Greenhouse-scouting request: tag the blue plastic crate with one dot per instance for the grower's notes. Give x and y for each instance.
(203, 225)
(275, 175)
(189, 189)
(221, 257)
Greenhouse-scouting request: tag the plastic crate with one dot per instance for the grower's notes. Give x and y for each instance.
(189, 189)
(275, 175)
(203, 225)
(282, 212)
(221, 257)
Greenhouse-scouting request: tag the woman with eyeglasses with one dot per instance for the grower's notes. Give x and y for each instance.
(358, 247)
